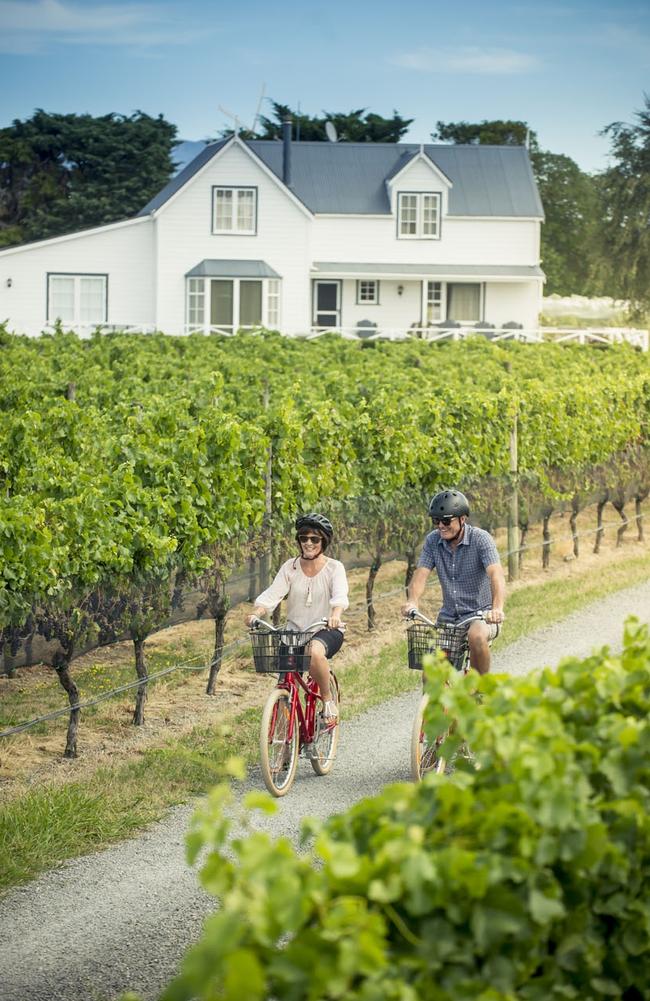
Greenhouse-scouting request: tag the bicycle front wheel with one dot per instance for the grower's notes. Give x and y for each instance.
(326, 740)
(425, 757)
(278, 743)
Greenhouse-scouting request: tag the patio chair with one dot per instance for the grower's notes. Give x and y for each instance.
(366, 328)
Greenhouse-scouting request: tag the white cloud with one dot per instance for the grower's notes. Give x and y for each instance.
(467, 59)
(625, 38)
(28, 26)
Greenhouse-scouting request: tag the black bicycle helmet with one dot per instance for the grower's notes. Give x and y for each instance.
(448, 503)
(317, 521)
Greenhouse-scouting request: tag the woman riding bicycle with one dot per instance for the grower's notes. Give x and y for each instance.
(315, 587)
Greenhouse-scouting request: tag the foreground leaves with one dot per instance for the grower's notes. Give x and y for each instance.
(526, 879)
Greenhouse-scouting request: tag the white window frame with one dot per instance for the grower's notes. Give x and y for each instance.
(195, 303)
(368, 296)
(273, 303)
(424, 201)
(197, 300)
(434, 296)
(77, 280)
(234, 229)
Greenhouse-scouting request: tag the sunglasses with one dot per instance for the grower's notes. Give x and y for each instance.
(446, 520)
(310, 538)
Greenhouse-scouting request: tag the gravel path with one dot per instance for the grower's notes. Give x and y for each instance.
(122, 918)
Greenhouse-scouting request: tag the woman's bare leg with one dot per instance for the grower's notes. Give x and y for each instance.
(320, 671)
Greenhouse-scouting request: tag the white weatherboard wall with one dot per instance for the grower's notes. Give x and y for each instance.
(185, 239)
(123, 252)
(503, 302)
(393, 312)
(420, 175)
(372, 239)
(506, 301)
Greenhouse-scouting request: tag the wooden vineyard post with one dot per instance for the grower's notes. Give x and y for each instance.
(513, 507)
(265, 559)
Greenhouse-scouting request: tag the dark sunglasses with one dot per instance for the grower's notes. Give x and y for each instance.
(446, 520)
(310, 538)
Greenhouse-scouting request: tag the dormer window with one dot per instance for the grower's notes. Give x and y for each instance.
(234, 210)
(418, 215)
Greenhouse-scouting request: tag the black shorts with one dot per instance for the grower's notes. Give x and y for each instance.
(332, 640)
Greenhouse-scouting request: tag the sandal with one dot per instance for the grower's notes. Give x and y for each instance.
(330, 713)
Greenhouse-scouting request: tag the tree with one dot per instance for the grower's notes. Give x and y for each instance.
(485, 133)
(625, 194)
(355, 126)
(572, 220)
(62, 173)
(569, 247)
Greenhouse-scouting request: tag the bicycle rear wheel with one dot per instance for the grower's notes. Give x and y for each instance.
(278, 750)
(425, 757)
(326, 740)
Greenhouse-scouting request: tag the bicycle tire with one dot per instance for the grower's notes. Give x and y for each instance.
(278, 753)
(424, 756)
(326, 741)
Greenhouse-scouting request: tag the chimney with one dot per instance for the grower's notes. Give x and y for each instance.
(286, 149)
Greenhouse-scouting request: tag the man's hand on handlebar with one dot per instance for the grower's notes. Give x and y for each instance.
(494, 615)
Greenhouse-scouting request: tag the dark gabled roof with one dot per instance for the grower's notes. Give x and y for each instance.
(350, 178)
(183, 176)
(210, 268)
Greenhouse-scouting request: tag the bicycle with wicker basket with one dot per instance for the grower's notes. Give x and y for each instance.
(292, 720)
(424, 637)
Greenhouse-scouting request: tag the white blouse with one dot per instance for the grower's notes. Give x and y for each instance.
(308, 598)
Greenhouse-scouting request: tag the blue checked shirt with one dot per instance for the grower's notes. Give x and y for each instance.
(461, 572)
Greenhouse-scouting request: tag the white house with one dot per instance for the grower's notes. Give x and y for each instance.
(300, 236)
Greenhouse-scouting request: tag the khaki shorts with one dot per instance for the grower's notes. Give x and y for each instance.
(493, 627)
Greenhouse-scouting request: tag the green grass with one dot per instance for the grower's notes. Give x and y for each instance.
(530, 607)
(50, 824)
(92, 680)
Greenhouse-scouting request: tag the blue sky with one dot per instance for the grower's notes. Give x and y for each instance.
(567, 68)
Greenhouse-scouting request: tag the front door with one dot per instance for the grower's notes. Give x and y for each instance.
(327, 304)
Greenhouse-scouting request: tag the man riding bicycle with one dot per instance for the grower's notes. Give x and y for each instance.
(469, 570)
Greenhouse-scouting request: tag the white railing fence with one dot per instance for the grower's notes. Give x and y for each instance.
(533, 335)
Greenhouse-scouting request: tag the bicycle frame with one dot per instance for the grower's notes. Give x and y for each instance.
(424, 756)
(292, 682)
(288, 726)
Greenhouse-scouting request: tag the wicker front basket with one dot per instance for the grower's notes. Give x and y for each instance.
(423, 640)
(277, 653)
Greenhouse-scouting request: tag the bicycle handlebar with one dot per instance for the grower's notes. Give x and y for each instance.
(257, 622)
(414, 614)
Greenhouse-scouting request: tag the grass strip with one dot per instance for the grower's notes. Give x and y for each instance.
(50, 824)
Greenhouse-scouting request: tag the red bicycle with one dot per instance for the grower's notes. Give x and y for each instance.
(292, 720)
(425, 637)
